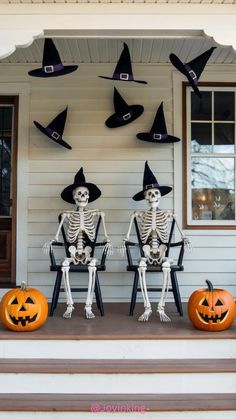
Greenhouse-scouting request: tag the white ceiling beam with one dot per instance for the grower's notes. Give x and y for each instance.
(22, 23)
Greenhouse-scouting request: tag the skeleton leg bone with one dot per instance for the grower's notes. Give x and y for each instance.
(65, 273)
(161, 304)
(92, 276)
(142, 279)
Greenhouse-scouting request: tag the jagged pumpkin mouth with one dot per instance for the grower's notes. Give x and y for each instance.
(23, 320)
(213, 318)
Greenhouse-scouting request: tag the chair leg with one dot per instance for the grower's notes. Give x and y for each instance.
(177, 297)
(134, 294)
(98, 295)
(56, 292)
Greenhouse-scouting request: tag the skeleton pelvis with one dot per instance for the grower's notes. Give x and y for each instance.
(80, 256)
(154, 255)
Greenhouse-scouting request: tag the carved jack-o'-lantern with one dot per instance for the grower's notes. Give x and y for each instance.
(211, 309)
(23, 309)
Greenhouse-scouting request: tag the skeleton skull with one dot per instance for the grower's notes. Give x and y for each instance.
(153, 196)
(81, 196)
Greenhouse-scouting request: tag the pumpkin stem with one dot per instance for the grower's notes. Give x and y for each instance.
(209, 285)
(23, 286)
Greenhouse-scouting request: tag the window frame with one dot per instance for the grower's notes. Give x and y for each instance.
(188, 223)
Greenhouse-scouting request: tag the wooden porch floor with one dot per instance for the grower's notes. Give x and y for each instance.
(117, 324)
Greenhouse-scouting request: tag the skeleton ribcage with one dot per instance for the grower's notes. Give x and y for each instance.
(80, 222)
(154, 222)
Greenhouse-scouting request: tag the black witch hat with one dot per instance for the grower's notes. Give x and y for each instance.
(124, 113)
(79, 180)
(55, 129)
(158, 133)
(193, 69)
(51, 65)
(150, 182)
(123, 70)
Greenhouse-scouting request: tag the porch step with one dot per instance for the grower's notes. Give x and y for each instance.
(117, 376)
(112, 403)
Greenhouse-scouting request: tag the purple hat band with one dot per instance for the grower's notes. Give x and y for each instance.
(53, 134)
(191, 73)
(53, 68)
(158, 137)
(125, 117)
(151, 186)
(122, 76)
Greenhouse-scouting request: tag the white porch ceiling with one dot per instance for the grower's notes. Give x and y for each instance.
(94, 50)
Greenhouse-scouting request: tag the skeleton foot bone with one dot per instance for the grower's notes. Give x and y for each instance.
(68, 312)
(145, 316)
(88, 313)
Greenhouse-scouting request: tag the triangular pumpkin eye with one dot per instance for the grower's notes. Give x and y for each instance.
(205, 302)
(219, 303)
(29, 301)
(15, 301)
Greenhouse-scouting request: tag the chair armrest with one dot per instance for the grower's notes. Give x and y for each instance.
(128, 245)
(181, 251)
(51, 252)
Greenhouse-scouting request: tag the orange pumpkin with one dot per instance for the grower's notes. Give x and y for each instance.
(23, 309)
(211, 309)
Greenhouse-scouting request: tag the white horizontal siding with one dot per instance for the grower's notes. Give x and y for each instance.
(114, 160)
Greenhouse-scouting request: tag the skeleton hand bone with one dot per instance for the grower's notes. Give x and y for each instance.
(122, 247)
(108, 247)
(47, 246)
(187, 244)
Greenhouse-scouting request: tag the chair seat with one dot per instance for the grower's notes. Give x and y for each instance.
(154, 268)
(77, 268)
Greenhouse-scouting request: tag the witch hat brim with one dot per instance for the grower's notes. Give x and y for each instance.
(133, 112)
(157, 138)
(118, 78)
(67, 193)
(164, 190)
(39, 72)
(58, 141)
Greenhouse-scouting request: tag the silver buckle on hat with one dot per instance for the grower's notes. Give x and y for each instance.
(48, 69)
(157, 136)
(126, 116)
(192, 74)
(124, 76)
(55, 135)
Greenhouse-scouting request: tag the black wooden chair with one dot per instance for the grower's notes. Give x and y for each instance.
(56, 267)
(133, 267)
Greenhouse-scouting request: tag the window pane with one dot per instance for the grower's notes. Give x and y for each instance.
(5, 159)
(213, 188)
(224, 138)
(201, 138)
(224, 106)
(201, 108)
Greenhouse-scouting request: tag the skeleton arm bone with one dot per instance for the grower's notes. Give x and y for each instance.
(108, 246)
(186, 240)
(134, 215)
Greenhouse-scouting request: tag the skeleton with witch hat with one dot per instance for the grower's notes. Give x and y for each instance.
(81, 226)
(154, 236)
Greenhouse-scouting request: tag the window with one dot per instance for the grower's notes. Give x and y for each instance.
(209, 155)
(8, 158)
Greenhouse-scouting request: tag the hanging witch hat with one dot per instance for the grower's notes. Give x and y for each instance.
(193, 69)
(123, 70)
(79, 180)
(158, 133)
(55, 129)
(51, 65)
(150, 182)
(124, 113)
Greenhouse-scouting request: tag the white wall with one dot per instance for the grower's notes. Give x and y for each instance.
(114, 160)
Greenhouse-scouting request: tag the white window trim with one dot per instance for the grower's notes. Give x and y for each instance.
(214, 73)
(23, 91)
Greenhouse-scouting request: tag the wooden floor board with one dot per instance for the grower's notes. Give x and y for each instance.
(117, 324)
